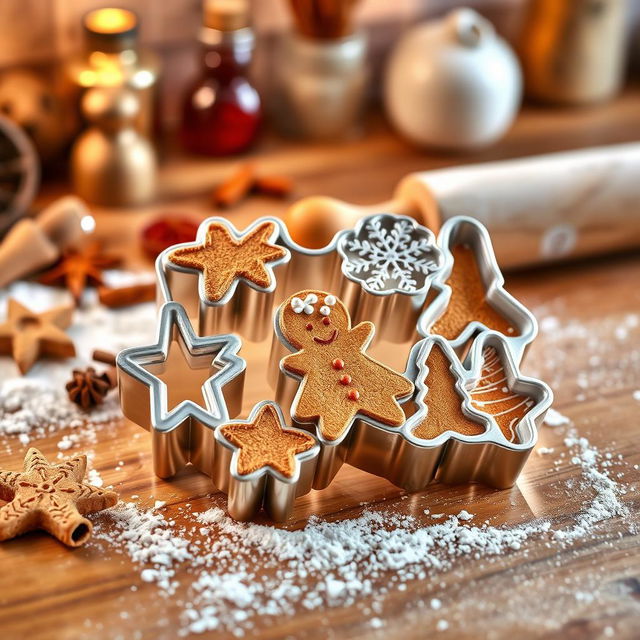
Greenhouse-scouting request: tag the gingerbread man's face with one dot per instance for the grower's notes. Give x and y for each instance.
(312, 319)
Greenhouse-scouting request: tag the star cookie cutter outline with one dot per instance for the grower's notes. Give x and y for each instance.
(362, 431)
(266, 487)
(468, 231)
(176, 283)
(184, 433)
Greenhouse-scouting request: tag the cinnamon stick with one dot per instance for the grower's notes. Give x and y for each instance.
(106, 357)
(236, 187)
(278, 186)
(126, 296)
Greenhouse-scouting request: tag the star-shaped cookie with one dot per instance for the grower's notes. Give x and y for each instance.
(264, 442)
(27, 336)
(50, 497)
(261, 461)
(225, 257)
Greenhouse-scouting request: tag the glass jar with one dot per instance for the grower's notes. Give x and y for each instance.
(111, 58)
(222, 111)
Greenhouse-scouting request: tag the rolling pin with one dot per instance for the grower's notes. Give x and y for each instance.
(537, 209)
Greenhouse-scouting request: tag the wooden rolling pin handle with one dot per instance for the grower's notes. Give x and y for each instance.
(313, 221)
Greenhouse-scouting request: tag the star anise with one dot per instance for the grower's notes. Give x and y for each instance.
(87, 388)
(78, 269)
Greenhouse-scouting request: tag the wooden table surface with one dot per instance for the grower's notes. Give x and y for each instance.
(47, 591)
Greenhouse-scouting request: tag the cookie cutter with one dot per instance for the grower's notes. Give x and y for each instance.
(185, 433)
(247, 308)
(361, 431)
(265, 486)
(489, 458)
(391, 452)
(396, 279)
(462, 230)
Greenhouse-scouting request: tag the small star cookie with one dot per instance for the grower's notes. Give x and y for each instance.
(223, 259)
(27, 336)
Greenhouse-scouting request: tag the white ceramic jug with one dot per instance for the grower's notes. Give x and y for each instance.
(453, 83)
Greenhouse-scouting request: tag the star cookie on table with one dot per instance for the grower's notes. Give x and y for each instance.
(51, 497)
(261, 461)
(225, 257)
(77, 270)
(27, 336)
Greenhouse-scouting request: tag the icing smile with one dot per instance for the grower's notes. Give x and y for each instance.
(329, 340)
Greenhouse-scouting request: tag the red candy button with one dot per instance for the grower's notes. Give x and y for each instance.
(337, 364)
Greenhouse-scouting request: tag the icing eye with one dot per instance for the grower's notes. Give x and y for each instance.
(309, 326)
(324, 310)
(326, 321)
(330, 300)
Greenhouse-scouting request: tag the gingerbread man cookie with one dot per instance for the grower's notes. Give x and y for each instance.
(339, 380)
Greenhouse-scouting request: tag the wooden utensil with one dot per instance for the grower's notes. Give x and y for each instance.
(35, 243)
(537, 209)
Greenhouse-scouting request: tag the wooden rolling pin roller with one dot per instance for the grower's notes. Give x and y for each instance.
(537, 209)
(34, 243)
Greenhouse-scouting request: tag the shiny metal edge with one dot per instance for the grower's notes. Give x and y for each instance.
(342, 237)
(477, 236)
(143, 396)
(248, 492)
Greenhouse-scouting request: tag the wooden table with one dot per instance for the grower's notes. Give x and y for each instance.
(47, 591)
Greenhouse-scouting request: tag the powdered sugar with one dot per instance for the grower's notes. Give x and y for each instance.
(239, 572)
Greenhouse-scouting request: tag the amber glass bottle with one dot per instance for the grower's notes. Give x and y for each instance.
(222, 111)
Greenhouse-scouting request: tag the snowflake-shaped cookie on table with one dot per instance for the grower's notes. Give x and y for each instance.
(390, 254)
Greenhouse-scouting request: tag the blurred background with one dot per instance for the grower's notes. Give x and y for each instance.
(226, 105)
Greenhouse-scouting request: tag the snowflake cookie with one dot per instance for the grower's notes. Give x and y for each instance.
(390, 254)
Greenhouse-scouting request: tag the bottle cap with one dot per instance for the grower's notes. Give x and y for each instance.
(226, 15)
(110, 29)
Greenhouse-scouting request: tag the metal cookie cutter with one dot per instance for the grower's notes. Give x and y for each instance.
(182, 434)
(520, 328)
(385, 255)
(494, 395)
(265, 485)
(245, 307)
(359, 439)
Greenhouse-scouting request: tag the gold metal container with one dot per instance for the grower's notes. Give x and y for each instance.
(573, 51)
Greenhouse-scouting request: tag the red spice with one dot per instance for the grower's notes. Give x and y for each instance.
(165, 231)
(326, 321)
